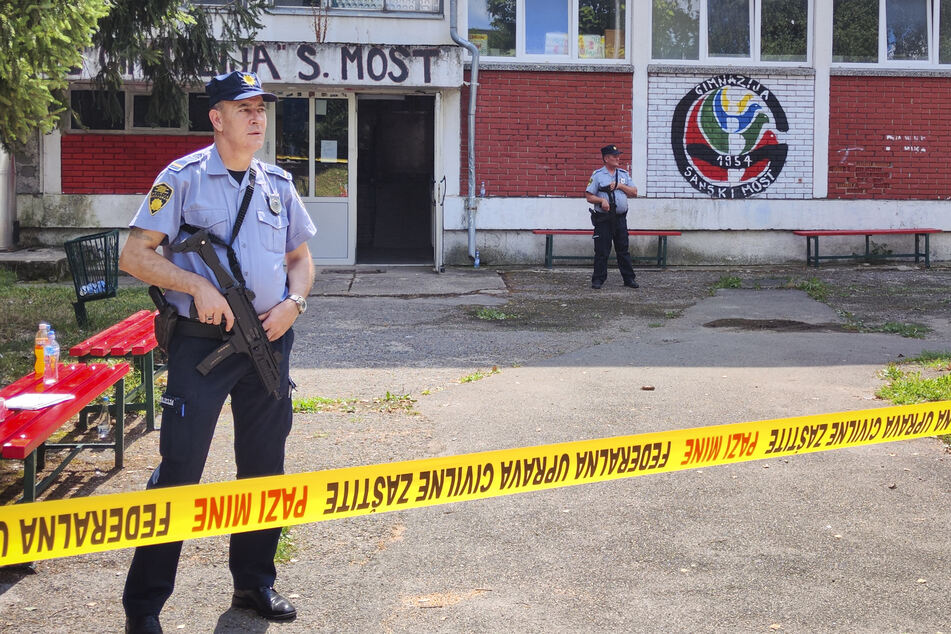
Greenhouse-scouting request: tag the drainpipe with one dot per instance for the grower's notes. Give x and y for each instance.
(473, 89)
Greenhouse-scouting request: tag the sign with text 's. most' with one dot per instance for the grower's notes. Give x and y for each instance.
(335, 65)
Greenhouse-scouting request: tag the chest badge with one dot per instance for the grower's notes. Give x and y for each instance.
(274, 204)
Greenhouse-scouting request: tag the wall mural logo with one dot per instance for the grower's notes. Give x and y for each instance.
(725, 137)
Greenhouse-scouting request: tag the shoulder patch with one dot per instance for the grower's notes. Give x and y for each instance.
(158, 196)
(277, 171)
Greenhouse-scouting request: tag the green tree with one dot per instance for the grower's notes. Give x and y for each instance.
(40, 41)
(172, 44)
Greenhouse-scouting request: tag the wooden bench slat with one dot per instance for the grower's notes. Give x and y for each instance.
(133, 336)
(580, 232)
(28, 429)
(83, 348)
(861, 232)
(660, 234)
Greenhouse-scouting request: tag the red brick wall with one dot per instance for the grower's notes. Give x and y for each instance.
(888, 138)
(120, 164)
(539, 133)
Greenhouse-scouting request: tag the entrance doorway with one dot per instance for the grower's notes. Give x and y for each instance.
(395, 179)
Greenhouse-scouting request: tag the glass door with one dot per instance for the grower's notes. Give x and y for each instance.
(312, 143)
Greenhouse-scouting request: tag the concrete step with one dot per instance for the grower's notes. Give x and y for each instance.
(37, 264)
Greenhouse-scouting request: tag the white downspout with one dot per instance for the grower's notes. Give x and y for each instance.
(473, 90)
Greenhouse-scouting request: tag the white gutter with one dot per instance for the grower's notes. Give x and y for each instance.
(473, 90)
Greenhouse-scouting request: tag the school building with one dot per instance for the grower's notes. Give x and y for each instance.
(740, 121)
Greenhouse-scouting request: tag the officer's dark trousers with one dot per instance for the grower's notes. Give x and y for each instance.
(261, 425)
(613, 230)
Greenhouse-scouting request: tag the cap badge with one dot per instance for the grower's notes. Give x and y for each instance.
(250, 80)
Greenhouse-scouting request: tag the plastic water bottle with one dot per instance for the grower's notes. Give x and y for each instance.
(482, 190)
(39, 348)
(51, 360)
(103, 419)
(476, 265)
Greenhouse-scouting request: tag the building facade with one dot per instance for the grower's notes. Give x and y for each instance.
(740, 121)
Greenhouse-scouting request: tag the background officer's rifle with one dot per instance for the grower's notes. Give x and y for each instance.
(247, 335)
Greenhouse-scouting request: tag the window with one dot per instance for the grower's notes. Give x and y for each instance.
(416, 6)
(551, 30)
(753, 30)
(312, 137)
(891, 32)
(93, 111)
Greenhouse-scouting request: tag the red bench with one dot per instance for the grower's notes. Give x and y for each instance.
(660, 258)
(23, 433)
(812, 244)
(132, 338)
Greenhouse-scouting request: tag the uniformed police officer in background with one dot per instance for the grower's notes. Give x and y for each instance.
(608, 190)
(205, 190)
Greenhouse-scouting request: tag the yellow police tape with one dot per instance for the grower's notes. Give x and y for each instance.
(61, 528)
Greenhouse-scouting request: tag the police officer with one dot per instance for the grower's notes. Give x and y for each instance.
(608, 190)
(206, 189)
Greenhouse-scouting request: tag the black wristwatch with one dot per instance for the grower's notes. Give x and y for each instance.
(300, 301)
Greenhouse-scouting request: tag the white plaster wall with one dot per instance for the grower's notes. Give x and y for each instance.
(704, 214)
(297, 25)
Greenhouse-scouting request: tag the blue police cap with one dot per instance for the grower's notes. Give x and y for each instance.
(234, 86)
(610, 149)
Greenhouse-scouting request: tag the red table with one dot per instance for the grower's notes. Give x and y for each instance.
(23, 433)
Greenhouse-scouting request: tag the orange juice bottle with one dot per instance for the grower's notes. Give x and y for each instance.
(39, 349)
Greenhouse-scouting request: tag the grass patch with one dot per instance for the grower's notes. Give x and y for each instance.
(493, 314)
(286, 548)
(24, 305)
(726, 281)
(814, 288)
(928, 380)
(394, 403)
(314, 404)
(478, 375)
(909, 330)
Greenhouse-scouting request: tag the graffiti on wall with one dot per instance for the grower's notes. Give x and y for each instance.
(726, 137)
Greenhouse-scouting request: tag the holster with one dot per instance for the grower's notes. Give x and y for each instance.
(165, 320)
(598, 216)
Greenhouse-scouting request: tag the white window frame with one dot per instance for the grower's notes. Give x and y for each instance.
(755, 57)
(383, 12)
(572, 56)
(130, 92)
(933, 32)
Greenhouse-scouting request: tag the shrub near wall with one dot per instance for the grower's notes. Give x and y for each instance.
(539, 132)
(120, 163)
(888, 138)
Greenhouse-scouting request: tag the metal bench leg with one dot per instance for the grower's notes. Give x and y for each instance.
(868, 250)
(549, 250)
(120, 422)
(928, 250)
(29, 478)
(148, 383)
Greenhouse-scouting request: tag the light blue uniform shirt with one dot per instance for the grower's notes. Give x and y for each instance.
(197, 189)
(602, 178)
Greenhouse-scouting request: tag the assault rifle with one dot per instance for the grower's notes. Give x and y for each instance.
(247, 335)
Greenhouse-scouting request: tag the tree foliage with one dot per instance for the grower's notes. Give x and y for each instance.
(172, 44)
(40, 41)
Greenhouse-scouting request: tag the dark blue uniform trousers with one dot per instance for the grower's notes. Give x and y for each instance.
(261, 426)
(613, 230)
